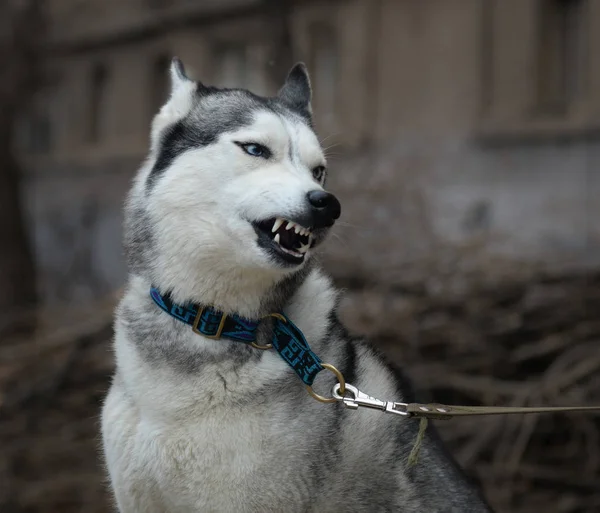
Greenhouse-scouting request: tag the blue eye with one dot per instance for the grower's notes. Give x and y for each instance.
(319, 173)
(256, 150)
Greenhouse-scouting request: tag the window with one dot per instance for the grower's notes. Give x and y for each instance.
(536, 66)
(561, 55)
(232, 66)
(97, 107)
(242, 65)
(257, 81)
(323, 61)
(34, 133)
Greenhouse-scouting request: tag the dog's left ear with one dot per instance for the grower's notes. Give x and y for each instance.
(296, 91)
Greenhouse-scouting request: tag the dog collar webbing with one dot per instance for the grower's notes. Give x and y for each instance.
(207, 321)
(287, 339)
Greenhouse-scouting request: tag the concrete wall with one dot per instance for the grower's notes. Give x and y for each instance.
(436, 163)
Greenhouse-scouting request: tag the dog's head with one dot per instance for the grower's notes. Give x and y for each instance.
(232, 180)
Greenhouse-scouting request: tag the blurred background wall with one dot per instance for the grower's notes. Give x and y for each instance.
(463, 143)
(460, 123)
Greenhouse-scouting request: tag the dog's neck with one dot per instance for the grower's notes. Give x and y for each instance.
(308, 299)
(249, 294)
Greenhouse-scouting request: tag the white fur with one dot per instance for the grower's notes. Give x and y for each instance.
(240, 435)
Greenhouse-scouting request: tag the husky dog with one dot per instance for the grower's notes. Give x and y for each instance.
(226, 213)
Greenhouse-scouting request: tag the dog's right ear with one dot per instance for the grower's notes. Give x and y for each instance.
(182, 90)
(180, 102)
(178, 75)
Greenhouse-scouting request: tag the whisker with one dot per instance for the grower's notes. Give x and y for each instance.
(321, 141)
(331, 146)
(346, 224)
(339, 239)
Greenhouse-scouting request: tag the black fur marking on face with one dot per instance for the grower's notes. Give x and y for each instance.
(201, 127)
(216, 112)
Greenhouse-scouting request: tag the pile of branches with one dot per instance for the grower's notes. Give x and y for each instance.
(531, 341)
(51, 389)
(518, 343)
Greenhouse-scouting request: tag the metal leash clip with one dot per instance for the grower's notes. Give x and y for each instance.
(353, 398)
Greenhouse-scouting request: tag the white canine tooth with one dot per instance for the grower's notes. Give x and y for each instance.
(290, 224)
(297, 228)
(276, 238)
(278, 223)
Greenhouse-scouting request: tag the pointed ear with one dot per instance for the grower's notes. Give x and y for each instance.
(296, 91)
(180, 102)
(178, 76)
(183, 89)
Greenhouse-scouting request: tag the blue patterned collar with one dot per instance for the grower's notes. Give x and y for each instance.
(286, 339)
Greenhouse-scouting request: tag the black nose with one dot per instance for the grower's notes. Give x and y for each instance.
(325, 208)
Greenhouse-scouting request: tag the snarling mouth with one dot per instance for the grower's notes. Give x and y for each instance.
(290, 240)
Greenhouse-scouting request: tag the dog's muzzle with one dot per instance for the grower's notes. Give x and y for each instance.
(291, 239)
(324, 208)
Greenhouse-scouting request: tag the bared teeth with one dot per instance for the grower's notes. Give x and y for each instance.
(300, 231)
(277, 224)
(291, 252)
(303, 248)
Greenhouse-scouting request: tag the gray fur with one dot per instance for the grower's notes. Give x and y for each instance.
(192, 424)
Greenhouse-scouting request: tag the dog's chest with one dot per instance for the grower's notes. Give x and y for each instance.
(222, 460)
(202, 462)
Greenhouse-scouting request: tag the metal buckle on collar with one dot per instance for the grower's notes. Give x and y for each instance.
(217, 335)
(268, 346)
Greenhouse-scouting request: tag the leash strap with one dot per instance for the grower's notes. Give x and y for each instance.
(353, 398)
(443, 411)
(287, 339)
